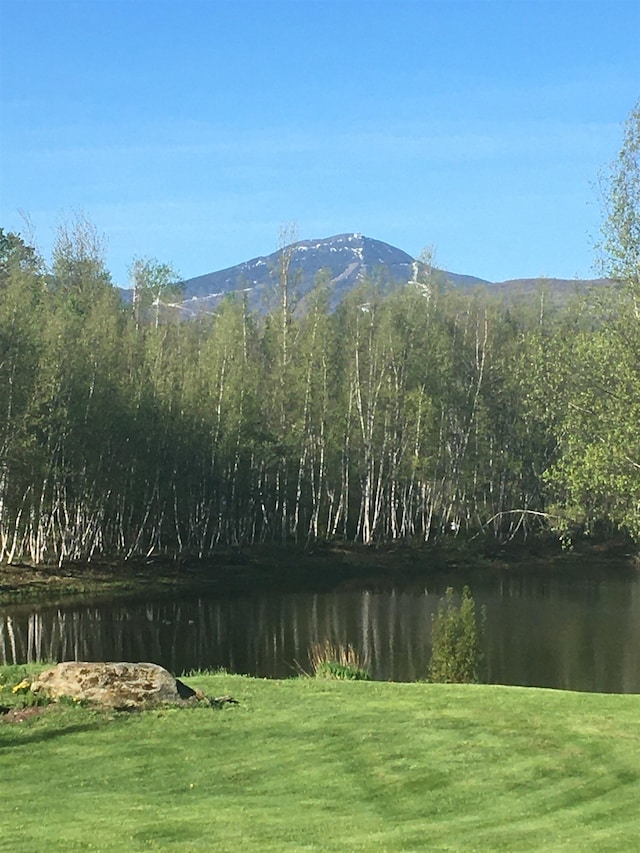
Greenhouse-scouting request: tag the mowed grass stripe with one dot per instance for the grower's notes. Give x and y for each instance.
(329, 766)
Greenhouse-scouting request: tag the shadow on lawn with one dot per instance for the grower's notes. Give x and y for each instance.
(14, 734)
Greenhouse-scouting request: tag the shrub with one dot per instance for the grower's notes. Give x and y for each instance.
(457, 636)
(22, 697)
(340, 662)
(15, 686)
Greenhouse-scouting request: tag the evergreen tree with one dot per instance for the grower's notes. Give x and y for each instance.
(457, 638)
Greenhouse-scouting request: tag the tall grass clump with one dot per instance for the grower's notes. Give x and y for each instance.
(457, 639)
(338, 661)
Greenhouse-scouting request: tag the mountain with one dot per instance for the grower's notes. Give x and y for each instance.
(345, 259)
(560, 289)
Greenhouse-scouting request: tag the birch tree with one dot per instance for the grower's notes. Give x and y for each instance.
(598, 476)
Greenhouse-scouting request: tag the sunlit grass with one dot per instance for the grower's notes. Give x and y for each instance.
(315, 765)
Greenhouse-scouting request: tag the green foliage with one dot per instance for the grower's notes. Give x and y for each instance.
(596, 475)
(408, 415)
(340, 672)
(339, 662)
(72, 701)
(620, 247)
(14, 674)
(79, 273)
(15, 687)
(457, 639)
(27, 699)
(199, 672)
(16, 256)
(156, 291)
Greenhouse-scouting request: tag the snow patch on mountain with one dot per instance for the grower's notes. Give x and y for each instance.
(344, 259)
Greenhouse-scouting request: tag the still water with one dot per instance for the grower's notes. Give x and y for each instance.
(576, 634)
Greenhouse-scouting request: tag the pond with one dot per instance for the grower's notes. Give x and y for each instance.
(570, 633)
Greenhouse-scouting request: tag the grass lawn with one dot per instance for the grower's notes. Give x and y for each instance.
(310, 765)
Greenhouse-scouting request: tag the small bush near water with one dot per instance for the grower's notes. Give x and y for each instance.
(342, 662)
(457, 635)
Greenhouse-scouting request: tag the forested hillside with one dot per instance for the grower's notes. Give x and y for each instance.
(408, 415)
(413, 415)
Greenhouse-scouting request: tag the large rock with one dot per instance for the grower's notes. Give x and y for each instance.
(114, 685)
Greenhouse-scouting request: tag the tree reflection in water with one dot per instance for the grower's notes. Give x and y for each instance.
(540, 632)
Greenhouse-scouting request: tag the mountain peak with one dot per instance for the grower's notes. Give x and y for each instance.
(345, 258)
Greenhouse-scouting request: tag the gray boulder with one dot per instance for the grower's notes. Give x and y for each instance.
(125, 686)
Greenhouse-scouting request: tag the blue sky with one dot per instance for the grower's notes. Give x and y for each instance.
(191, 131)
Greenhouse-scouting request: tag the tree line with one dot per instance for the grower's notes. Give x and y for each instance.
(409, 414)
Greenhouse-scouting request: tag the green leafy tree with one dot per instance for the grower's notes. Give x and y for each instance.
(78, 269)
(22, 317)
(457, 636)
(16, 256)
(597, 478)
(620, 244)
(157, 291)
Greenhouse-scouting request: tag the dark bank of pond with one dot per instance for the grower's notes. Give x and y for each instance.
(570, 631)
